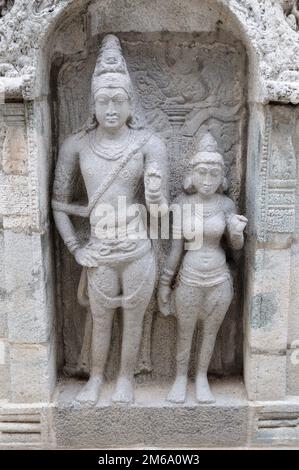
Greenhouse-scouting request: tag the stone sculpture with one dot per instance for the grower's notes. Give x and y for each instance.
(204, 289)
(118, 162)
(43, 7)
(5, 6)
(161, 77)
(291, 11)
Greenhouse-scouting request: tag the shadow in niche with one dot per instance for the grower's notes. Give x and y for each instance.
(185, 84)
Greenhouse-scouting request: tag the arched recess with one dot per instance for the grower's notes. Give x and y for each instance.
(64, 67)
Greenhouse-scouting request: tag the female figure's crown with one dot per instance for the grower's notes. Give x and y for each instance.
(208, 143)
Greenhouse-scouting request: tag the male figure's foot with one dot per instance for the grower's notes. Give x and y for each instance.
(178, 391)
(91, 390)
(124, 391)
(202, 389)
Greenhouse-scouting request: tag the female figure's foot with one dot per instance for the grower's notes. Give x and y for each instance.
(178, 391)
(124, 391)
(91, 390)
(202, 389)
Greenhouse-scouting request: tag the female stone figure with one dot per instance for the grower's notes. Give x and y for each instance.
(115, 160)
(204, 288)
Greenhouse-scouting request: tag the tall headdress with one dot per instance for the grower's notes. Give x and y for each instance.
(111, 69)
(208, 152)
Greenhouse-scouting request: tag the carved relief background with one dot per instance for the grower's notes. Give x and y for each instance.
(185, 84)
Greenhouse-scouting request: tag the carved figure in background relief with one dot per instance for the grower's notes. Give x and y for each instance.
(291, 11)
(5, 6)
(116, 159)
(204, 288)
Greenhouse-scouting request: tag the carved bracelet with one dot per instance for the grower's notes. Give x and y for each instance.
(166, 277)
(72, 244)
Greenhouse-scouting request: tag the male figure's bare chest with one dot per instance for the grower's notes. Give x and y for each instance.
(96, 171)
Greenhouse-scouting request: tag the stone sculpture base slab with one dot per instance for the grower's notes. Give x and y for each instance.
(232, 421)
(159, 424)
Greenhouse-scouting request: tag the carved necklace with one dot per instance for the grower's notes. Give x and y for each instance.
(212, 208)
(111, 152)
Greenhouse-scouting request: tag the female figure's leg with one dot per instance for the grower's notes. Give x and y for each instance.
(105, 280)
(188, 301)
(138, 277)
(216, 303)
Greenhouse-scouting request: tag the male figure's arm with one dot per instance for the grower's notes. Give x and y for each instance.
(65, 174)
(156, 175)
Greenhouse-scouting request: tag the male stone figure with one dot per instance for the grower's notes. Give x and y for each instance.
(115, 159)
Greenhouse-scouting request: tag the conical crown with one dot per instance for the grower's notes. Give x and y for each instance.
(208, 143)
(110, 58)
(111, 69)
(208, 151)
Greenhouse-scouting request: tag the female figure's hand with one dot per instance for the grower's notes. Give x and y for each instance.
(237, 224)
(164, 293)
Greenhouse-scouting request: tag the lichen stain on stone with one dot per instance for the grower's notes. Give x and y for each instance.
(4, 295)
(264, 307)
(33, 285)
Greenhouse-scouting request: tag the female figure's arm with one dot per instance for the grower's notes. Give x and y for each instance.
(168, 273)
(172, 263)
(235, 225)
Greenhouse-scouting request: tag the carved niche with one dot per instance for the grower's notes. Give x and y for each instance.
(186, 84)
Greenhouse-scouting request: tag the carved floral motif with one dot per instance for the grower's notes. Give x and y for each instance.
(291, 12)
(44, 7)
(275, 51)
(5, 6)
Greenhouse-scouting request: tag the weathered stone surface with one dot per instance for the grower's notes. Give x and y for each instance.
(269, 305)
(265, 376)
(26, 298)
(153, 424)
(4, 370)
(293, 369)
(32, 373)
(25, 427)
(275, 426)
(275, 74)
(265, 425)
(15, 152)
(293, 326)
(275, 206)
(3, 316)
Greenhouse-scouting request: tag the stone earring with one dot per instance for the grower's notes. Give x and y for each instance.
(223, 185)
(189, 184)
